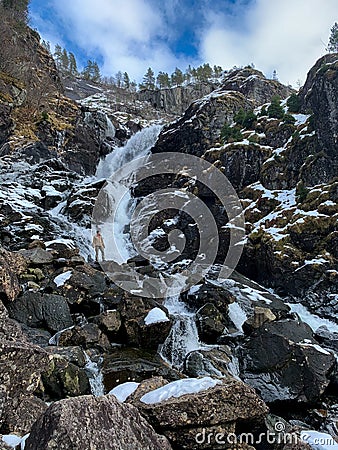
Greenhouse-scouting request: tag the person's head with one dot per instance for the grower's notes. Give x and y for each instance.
(98, 231)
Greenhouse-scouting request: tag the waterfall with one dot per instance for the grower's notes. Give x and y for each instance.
(116, 235)
(95, 376)
(137, 146)
(183, 337)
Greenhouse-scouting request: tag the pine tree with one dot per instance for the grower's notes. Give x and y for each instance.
(275, 109)
(72, 65)
(163, 80)
(118, 79)
(64, 61)
(188, 74)
(91, 71)
(217, 71)
(58, 55)
(86, 73)
(133, 86)
(333, 39)
(293, 103)
(95, 73)
(177, 77)
(126, 81)
(149, 79)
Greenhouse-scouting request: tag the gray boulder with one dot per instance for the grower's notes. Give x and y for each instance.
(93, 423)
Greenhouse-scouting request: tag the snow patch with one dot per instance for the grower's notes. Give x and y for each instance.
(62, 278)
(155, 315)
(123, 391)
(179, 388)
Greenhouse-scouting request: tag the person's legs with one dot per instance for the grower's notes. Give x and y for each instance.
(102, 253)
(96, 254)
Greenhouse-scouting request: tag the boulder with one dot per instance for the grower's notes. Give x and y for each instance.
(215, 361)
(260, 316)
(84, 286)
(283, 362)
(208, 292)
(210, 323)
(24, 411)
(21, 366)
(74, 355)
(64, 379)
(110, 323)
(219, 408)
(37, 256)
(108, 424)
(130, 364)
(135, 330)
(42, 311)
(87, 336)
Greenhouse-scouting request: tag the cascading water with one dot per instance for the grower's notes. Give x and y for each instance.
(95, 376)
(116, 236)
(183, 337)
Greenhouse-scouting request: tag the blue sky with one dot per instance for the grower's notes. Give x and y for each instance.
(131, 35)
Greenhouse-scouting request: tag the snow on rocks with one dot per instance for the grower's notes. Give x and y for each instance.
(178, 388)
(155, 315)
(124, 390)
(62, 278)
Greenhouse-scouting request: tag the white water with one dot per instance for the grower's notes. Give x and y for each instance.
(183, 337)
(138, 145)
(115, 235)
(95, 377)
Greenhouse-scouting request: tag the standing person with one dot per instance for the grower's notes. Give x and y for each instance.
(98, 245)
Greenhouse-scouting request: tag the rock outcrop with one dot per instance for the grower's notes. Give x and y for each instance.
(88, 422)
(183, 419)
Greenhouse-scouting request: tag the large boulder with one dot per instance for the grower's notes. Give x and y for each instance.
(42, 311)
(140, 327)
(21, 365)
(64, 379)
(121, 365)
(283, 362)
(182, 414)
(93, 422)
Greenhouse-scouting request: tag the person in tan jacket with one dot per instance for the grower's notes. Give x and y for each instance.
(98, 245)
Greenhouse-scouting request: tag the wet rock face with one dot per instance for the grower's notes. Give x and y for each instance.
(320, 95)
(175, 100)
(91, 140)
(108, 424)
(199, 128)
(283, 362)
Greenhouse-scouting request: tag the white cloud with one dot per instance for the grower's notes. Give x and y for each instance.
(288, 36)
(130, 35)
